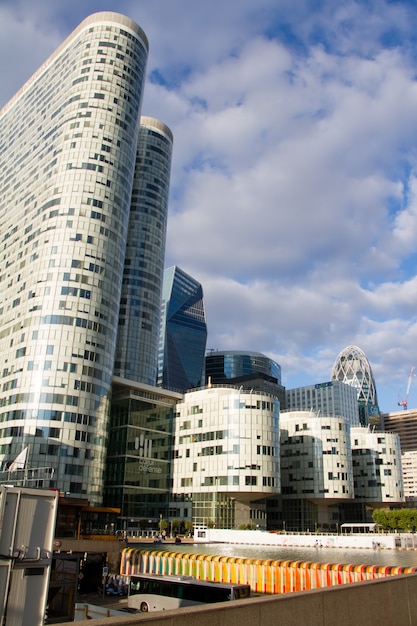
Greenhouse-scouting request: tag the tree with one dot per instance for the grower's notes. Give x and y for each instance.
(247, 526)
(396, 519)
(175, 525)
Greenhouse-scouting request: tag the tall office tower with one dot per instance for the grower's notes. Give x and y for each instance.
(68, 154)
(139, 316)
(183, 334)
(352, 367)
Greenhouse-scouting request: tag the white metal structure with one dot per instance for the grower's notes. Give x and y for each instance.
(153, 592)
(362, 528)
(404, 402)
(27, 523)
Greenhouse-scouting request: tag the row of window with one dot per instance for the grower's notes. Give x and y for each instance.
(250, 481)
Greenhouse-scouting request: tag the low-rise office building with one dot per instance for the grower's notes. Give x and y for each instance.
(226, 456)
(316, 468)
(377, 467)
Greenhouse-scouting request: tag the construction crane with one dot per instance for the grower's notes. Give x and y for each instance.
(404, 403)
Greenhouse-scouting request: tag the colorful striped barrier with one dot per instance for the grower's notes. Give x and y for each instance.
(264, 576)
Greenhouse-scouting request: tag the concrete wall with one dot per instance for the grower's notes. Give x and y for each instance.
(387, 602)
(112, 548)
(262, 538)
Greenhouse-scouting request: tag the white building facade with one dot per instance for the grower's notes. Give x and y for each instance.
(226, 453)
(316, 459)
(409, 465)
(377, 466)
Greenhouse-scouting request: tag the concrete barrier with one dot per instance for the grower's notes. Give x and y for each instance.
(387, 602)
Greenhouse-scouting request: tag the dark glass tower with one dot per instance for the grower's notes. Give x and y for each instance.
(249, 370)
(183, 333)
(222, 367)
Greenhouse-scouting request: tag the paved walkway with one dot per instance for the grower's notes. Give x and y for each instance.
(97, 598)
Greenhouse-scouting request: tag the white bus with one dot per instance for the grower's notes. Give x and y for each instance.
(360, 528)
(154, 592)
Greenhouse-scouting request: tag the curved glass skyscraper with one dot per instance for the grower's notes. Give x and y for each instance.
(69, 153)
(140, 310)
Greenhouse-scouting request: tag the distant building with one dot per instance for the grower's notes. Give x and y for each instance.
(409, 465)
(404, 424)
(332, 398)
(183, 332)
(353, 368)
(249, 370)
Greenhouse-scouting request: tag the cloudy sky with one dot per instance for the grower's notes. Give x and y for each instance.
(294, 180)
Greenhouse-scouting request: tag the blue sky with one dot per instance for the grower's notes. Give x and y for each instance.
(294, 179)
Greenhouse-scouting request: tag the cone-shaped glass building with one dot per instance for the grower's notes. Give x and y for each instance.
(353, 368)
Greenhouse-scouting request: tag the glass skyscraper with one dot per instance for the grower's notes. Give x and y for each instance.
(183, 335)
(140, 309)
(76, 247)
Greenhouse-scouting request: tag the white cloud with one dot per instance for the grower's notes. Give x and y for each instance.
(294, 174)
